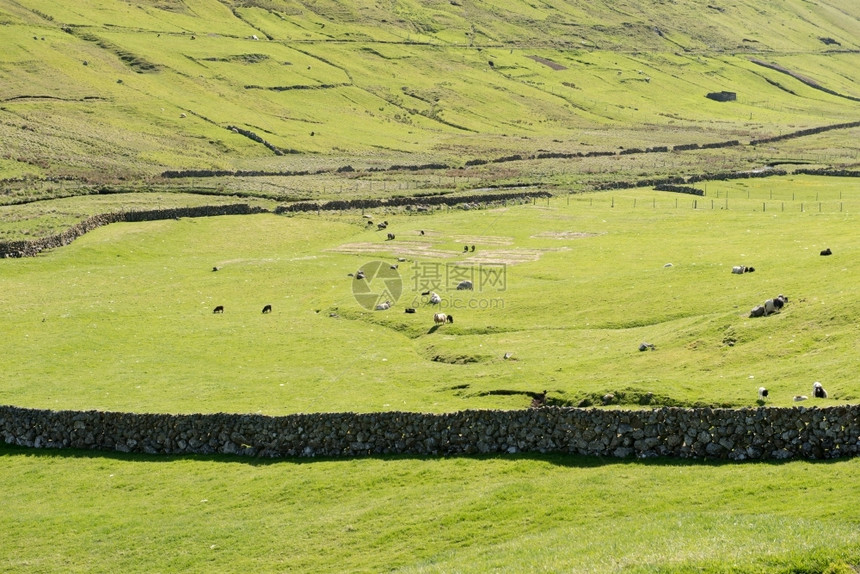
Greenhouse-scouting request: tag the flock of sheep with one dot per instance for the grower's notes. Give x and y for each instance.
(770, 307)
(818, 392)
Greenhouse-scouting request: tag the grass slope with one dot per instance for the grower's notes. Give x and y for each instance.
(109, 91)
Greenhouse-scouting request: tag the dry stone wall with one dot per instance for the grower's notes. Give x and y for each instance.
(33, 248)
(734, 434)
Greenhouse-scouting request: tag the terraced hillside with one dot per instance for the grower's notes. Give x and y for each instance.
(109, 90)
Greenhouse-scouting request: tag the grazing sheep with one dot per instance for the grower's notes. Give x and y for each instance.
(381, 226)
(741, 269)
(539, 400)
(395, 266)
(607, 399)
(762, 393)
(360, 274)
(464, 286)
(473, 249)
(384, 306)
(425, 293)
(369, 222)
(442, 318)
(218, 309)
(435, 299)
(646, 346)
(267, 309)
(769, 307)
(254, 37)
(798, 398)
(409, 310)
(774, 305)
(390, 236)
(826, 252)
(422, 232)
(465, 249)
(216, 268)
(507, 356)
(818, 391)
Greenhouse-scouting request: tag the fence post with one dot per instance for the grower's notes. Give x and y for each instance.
(763, 206)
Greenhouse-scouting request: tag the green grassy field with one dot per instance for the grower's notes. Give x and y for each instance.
(104, 96)
(569, 287)
(77, 512)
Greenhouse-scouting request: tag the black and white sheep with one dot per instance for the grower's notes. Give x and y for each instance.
(818, 391)
(741, 269)
(218, 309)
(762, 393)
(267, 309)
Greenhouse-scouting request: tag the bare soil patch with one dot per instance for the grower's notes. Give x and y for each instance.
(509, 256)
(482, 240)
(565, 235)
(410, 249)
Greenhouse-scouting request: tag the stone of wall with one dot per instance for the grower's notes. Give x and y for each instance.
(734, 434)
(429, 200)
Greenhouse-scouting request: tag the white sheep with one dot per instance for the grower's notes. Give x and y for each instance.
(442, 318)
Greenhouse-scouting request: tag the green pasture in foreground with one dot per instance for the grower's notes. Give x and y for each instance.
(569, 287)
(68, 511)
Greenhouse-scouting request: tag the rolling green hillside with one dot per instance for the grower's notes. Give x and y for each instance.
(107, 90)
